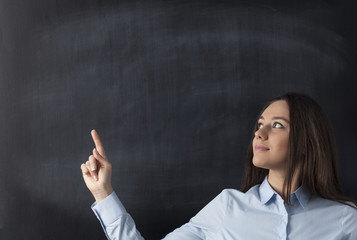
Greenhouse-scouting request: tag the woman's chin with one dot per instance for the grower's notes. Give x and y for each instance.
(259, 163)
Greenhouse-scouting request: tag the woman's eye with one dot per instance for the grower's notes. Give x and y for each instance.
(281, 126)
(275, 125)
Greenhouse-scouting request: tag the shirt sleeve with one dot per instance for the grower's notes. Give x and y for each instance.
(349, 223)
(116, 222)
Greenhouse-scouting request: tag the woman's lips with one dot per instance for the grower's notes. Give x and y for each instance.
(261, 147)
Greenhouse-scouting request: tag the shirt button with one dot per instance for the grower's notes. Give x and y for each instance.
(284, 217)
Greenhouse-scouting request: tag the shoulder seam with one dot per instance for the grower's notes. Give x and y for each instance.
(342, 218)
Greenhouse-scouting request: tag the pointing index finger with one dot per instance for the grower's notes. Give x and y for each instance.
(98, 143)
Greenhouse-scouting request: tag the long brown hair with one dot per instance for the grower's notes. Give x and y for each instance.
(312, 146)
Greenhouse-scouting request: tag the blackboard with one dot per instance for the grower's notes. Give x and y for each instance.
(172, 87)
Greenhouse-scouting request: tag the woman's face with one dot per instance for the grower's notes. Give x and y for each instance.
(271, 141)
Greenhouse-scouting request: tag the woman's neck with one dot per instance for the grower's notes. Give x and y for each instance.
(276, 180)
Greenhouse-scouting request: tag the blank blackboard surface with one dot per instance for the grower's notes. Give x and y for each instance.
(172, 87)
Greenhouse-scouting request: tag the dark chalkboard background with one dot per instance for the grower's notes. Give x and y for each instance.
(172, 87)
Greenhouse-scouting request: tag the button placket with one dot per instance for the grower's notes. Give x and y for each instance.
(284, 218)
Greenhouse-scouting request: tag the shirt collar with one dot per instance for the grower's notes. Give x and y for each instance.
(266, 192)
(302, 195)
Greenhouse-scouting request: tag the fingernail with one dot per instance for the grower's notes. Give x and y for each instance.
(95, 177)
(93, 169)
(95, 150)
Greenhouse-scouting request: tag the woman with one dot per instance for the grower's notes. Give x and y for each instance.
(291, 188)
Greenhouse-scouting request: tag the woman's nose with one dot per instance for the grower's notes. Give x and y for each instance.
(260, 134)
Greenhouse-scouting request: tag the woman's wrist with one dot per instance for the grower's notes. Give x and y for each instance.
(101, 195)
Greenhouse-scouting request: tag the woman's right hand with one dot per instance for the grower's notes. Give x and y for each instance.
(97, 171)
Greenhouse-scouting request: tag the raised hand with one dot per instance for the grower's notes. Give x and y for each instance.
(97, 171)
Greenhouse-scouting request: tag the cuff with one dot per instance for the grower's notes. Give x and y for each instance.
(109, 209)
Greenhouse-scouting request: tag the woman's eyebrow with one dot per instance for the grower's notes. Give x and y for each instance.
(275, 118)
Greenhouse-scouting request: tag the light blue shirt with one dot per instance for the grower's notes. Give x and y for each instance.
(258, 214)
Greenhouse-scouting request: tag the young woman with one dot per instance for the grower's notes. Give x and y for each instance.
(291, 189)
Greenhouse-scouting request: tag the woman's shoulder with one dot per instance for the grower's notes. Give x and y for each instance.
(346, 206)
(344, 212)
(232, 192)
(235, 195)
